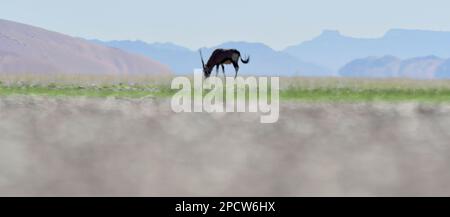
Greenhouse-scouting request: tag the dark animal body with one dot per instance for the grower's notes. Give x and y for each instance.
(220, 57)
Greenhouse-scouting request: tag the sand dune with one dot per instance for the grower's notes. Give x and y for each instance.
(28, 49)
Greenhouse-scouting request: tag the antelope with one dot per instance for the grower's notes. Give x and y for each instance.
(220, 57)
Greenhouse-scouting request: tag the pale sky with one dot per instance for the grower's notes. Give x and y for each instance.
(198, 23)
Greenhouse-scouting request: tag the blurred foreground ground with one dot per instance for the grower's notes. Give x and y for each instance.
(118, 147)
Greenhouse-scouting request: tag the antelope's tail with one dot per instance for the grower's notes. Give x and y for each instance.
(245, 61)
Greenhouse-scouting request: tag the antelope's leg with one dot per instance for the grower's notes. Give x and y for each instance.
(223, 70)
(217, 70)
(236, 68)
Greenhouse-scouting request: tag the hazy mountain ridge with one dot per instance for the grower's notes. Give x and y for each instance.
(399, 53)
(29, 49)
(264, 60)
(333, 50)
(180, 59)
(329, 54)
(427, 67)
(386, 66)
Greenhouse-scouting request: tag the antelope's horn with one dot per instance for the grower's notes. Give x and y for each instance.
(201, 57)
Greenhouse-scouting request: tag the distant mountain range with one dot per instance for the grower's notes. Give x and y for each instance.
(178, 58)
(264, 60)
(324, 55)
(389, 66)
(333, 50)
(28, 49)
(399, 53)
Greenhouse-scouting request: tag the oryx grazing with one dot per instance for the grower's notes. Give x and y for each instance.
(220, 57)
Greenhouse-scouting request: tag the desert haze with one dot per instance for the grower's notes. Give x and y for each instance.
(139, 147)
(28, 49)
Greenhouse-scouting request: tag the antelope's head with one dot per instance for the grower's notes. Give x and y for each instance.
(206, 69)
